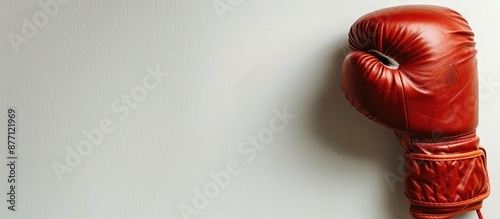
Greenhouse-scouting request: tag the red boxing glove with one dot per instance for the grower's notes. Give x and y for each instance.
(414, 70)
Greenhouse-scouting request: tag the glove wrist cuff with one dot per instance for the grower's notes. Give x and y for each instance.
(444, 185)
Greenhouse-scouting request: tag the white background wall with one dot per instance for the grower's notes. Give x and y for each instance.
(224, 78)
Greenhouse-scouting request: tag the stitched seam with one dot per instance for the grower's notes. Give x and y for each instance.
(439, 157)
(472, 207)
(454, 204)
(405, 106)
(446, 140)
(445, 159)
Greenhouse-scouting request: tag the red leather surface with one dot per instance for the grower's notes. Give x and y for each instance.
(429, 97)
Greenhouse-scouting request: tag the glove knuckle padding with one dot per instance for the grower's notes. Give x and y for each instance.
(437, 69)
(414, 70)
